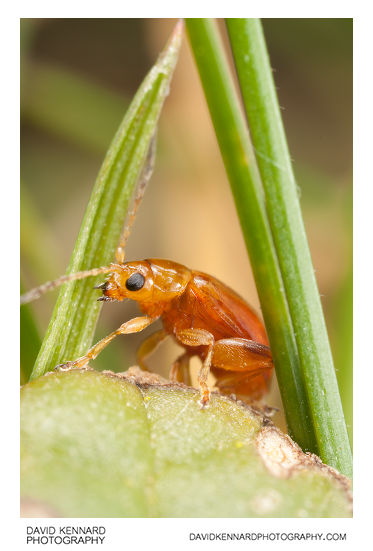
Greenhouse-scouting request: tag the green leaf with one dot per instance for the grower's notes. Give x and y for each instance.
(136, 446)
(285, 218)
(72, 326)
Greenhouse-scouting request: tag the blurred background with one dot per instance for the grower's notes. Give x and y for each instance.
(77, 79)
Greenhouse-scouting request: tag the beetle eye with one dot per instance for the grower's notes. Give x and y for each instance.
(135, 282)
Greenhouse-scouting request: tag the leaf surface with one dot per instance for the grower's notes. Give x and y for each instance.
(118, 447)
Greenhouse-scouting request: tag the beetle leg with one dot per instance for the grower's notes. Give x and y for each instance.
(179, 372)
(200, 337)
(242, 367)
(132, 326)
(148, 346)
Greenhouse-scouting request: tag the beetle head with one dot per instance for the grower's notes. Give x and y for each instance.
(132, 280)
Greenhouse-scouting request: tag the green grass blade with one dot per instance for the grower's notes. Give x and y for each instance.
(31, 341)
(342, 316)
(83, 106)
(71, 329)
(284, 214)
(39, 249)
(240, 164)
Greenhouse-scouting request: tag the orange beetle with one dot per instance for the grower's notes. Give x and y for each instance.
(202, 314)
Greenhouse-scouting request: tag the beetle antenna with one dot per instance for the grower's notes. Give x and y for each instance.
(137, 198)
(50, 285)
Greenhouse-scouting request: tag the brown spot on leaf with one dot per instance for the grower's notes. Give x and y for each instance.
(283, 457)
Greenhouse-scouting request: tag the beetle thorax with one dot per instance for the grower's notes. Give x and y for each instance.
(170, 279)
